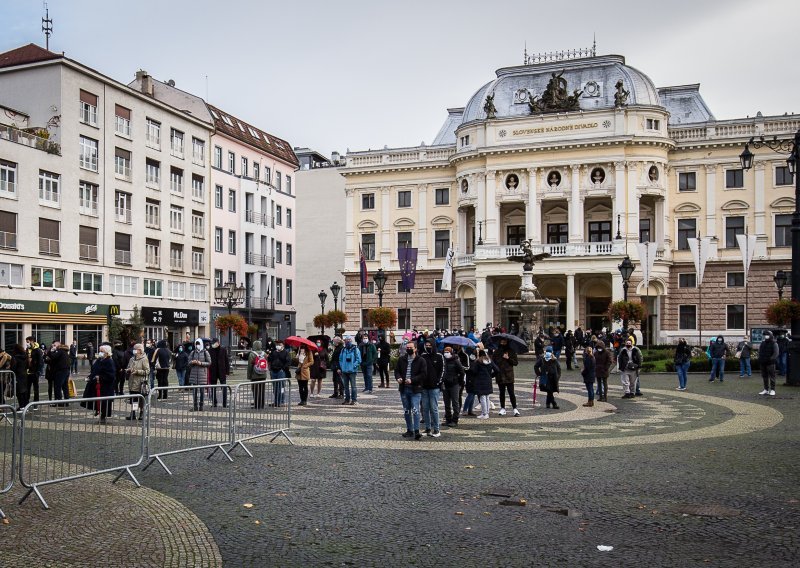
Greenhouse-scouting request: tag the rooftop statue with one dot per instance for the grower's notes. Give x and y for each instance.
(489, 108)
(528, 257)
(621, 96)
(555, 97)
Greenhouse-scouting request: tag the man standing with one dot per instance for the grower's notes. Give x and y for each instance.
(384, 353)
(557, 342)
(630, 360)
(338, 387)
(453, 379)
(73, 357)
(410, 373)
(506, 359)
(783, 353)
(431, 386)
(743, 351)
(767, 357)
(90, 353)
(369, 354)
(279, 364)
(35, 363)
(718, 351)
(349, 361)
(220, 369)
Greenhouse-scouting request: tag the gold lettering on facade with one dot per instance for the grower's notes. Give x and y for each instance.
(555, 128)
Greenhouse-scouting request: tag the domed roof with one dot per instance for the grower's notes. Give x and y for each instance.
(596, 76)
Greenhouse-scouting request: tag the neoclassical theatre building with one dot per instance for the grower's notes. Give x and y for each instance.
(586, 157)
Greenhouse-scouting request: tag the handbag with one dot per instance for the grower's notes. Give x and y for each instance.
(543, 381)
(144, 387)
(71, 388)
(156, 360)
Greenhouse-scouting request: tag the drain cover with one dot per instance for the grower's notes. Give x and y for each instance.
(707, 510)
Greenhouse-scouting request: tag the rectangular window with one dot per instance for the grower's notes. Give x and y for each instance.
(268, 175)
(437, 286)
(87, 281)
(122, 249)
(198, 292)
(198, 225)
(557, 233)
(152, 173)
(176, 143)
(87, 243)
(198, 261)
(152, 253)
(278, 215)
(367, 201)
(653, 124)
(218, 157)
(231, 163)
(49, 188)
(122, 207)
(278, 180)
(152, 287)
(442, 196)
(217, 239)
(198, 151)
(122, 121)
(735, 279)
(278, 290)
(198, 188)
(88, 108)
(687, 181)
(515, 234)
(8, 230)
(231, 276)
(218, 196)
(687, 229)
(734, 178)
(735, 313)
(176, 180)
(441, 244)
(231, 242)
(404, 240)
(783, 176)
(400, 288)
(644, 231)
(176, 256)
(687, 280)
(404, 199)
(49, 237)
(11, 274)
(289, 284)
(8, 179)
(217, 278)
(44, 277)
(153, 134)
(176, 290)
(232, 200)
(289, 254)
(245, 168)
(733, 226)
(441, 318)
(152, 214)
(599, 231)
(288, 218)
(783, 230)
(368, 246)
(404, 318)
(687, 317)
(256, 171)
(370, 289)
(87, 198)
(122, 164)
(176, 218)
(278, 252)
(123, 285)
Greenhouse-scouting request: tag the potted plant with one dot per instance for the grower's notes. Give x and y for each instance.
(337, 319)
(233, 321)
(622, 310)
(382, 318)
(782, 312)
(322, 320)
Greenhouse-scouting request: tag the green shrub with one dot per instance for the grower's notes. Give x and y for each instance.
(703, 365)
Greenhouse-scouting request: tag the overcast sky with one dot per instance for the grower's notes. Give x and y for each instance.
(362, 74)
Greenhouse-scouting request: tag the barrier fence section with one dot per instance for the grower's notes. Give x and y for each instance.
(8, 390)
(76, 438)
(187, 419)
(8, 459)
(256, 414)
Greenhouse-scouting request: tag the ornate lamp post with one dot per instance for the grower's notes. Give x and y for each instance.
(380, 282)
(793, 148)
(780, 280)
(229, 295)
(626, 269)
(335, 289)
(480, 233)
(322, 297)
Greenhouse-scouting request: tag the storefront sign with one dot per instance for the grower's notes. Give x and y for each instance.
(170, 316)
(38, 311)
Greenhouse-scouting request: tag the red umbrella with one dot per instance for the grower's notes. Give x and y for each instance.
(296, 341)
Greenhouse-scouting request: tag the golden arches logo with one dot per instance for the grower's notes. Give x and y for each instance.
(113, 310)
(52, 308)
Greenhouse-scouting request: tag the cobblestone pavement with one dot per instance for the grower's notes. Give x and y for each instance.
(701, 478)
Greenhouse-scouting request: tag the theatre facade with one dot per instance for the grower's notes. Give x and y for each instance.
(585, 157)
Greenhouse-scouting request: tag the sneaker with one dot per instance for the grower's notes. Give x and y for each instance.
(763, 392)
(772, 393)
(516, 412)
(436, 434)
(417, 435)
(502, 412)
(679, 389)
(408, 434)
(346, 401)
(428, 431)
(711, 380)
(483, 416)
(353, 403)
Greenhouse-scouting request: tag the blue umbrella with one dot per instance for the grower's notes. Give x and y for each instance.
(459, 340)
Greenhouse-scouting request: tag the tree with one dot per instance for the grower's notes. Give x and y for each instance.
(233, 321)
(382, 318)
(134, 327)
(116, 330)
(782, 312)
(622, 310)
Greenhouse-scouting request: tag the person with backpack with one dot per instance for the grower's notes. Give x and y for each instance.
(630, 361)
(768, 353)
(199, 362)
(279, 367)
(349, 362)
(682, 360)
(257, 370)
(160, 362)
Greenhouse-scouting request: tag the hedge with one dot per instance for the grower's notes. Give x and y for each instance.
(704, 365)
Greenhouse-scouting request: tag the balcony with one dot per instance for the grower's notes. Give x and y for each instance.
(259, 304)
(152, 221)
(88, 208)
(122, 170)
(152, 261)
(27, 139)
(51, 247)
(560, 250)
(122, 257)
(259, 259)
(122, 215)
(8, 240)
(87, 252)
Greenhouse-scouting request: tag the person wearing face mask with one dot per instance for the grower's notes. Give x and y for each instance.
(453, 380)
(35, 364)
(180, 364)
(336, 376)
(19, 364)
(105, 373)
(603, 361)
(768, 353)
(384, 353)
(557, 342)
(483, 371)
(431, 388)
(149, 349)
(369, 354)
(349, 362)
(683, 356)
(506, 359)
(410, 373)
(548, 372)
(718, 350)
(138, 373)
(743, 352)
(199, 362)
(160, 360)
(220, 369)
(629, 361)
(305, 359)
(589, 373)
(318, 369)
(279, 368)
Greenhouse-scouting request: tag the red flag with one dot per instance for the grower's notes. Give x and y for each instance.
(363, 267)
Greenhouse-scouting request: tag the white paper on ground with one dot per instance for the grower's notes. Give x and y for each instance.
(604, 548)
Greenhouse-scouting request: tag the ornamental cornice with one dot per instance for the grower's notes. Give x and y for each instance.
(760, 166)
(620, 165)
(711, 168)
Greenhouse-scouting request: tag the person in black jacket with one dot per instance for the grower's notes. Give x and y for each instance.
(411, 372)
(338, 385)
(483, 370)
(279, 368)
(19, 364)
(220, 369)
(105, 373)
(59, 361)
(548, 371)
(453, 381)
(589, 374)
(432, 388)
(121, 362)
(768, 353)
(35, 364)
(718, 350)
(160, 360)
(569, 349)
(48, 369)
(683, 357)
(384, 352)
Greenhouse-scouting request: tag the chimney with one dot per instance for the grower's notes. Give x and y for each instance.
(146, 82)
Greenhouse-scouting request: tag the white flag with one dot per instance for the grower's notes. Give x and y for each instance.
(747, 244)
(447, 277)
(647, 255)
(700, 249)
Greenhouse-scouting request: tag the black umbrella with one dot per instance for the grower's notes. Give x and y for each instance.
(324, 339)
(518, 345)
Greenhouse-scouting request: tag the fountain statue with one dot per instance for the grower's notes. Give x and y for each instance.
(530, 303)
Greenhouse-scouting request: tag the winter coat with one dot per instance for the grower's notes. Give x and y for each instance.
(552, 369)
(745, 347)
(538, 346)
(334, 361)
(768, 352)
(181, 360)
(603, 361)
(453, 372)
(162, 354)
(279, 361)
(349, 359)
(589, 372)
(506, 366)
(19, 364)
(384, 352)
(140, 371)
(35, 359)
(320, 364)
(718, 349)
(783, 344)
(90, 353)
(569, 343)
(304, 368)
(622, 359)
(683, 354)
(419, 373)
(105, 371)
(198, 372)
(251, 359)
(435, 363)
(482, 376)
(59, 359)
(220, 364)
(369, 353)
(557, 341)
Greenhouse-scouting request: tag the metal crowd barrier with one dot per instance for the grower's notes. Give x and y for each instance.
(254, 413)
(8, 459)
(182, 423)
(8, 387)
(68, 439)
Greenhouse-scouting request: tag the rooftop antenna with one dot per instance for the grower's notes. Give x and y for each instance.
(47, 26)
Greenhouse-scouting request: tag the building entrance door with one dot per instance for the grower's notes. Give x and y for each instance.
(597, 313)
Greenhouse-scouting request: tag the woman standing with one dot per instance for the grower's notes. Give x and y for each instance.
(683, 356)
(199, 362)
(548, 370)
(483, 369)
(589, 374)
(19, 364)
(105, 373)
(138, 372)
(305, 359)
(569, 349)
(181, 364)
(162, 357)
(603, 360)
(318, 369)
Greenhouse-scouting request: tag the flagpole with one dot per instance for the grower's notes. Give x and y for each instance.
(699, 294)
(647, 292)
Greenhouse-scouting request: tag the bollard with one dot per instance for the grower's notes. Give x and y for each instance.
(254, 413)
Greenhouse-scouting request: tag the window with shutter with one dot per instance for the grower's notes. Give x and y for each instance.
(49, 237)
(87, 241)
(8, 230)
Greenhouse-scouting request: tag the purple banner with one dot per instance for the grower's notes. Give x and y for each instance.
(408, 266)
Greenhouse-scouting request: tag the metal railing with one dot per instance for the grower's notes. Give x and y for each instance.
(8, 389)
(122, 256)
(27, 139)
(252, 418)
(8, 240)
(88, 207)
(87, 252)
(122, 169)
(66, 441)
(123, 215)
(152, 221)
(260, 303)
(49, 246)
(152, 261)
(8, 457)
(175, 263)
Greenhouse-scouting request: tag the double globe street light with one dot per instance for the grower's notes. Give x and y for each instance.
(229, 295)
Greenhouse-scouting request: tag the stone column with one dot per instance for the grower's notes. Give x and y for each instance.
(492, 224)
(759, 203)
(533, 216)
(484, 301)
(385, 238)
(422, 225)
(571, 301)
(631, 219)
(711, 202)
(461, 239)
(478, 185)
(659, 223)
(350, 247)
(575, 208)
(619, 196)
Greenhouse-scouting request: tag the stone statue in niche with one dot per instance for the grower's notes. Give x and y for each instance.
(489, 108)
(512, 182)
(554, 179)
(621, 96)
(555, 97)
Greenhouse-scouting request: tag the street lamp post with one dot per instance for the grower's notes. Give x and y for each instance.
(780, 280)
(380, 282)
(322, 297)
(229, 295)
(746, 158)
(626, 269)
(335, 289)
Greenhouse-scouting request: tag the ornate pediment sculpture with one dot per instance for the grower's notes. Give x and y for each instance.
(555, 97)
